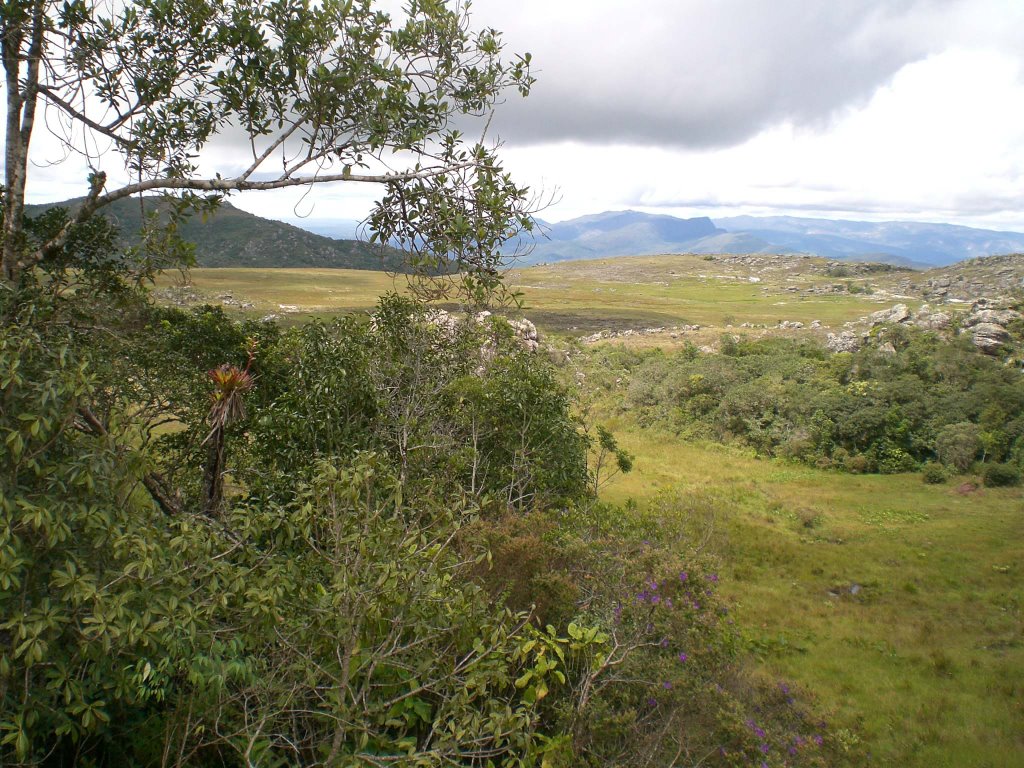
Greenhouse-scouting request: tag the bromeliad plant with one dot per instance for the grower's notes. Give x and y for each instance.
(230, 385)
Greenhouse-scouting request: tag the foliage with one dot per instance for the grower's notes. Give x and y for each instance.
(664, 679)
(934, 474)
(865, 411)
(321, 627)
(1002, 475)
(333, 91)
(461, 408)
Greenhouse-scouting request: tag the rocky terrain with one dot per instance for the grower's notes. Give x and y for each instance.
(979, 298)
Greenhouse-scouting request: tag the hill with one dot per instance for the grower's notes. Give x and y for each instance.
(234, 238)
(631, 233)
(900, 241)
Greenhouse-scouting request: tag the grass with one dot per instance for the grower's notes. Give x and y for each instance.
(576, 298)
(896, 603)
(683, 290)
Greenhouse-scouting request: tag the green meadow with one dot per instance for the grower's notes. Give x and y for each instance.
(608, 293)
(894, 605)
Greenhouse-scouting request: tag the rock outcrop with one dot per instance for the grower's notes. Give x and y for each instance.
(899, 313)
(988, 337)
(847, 341)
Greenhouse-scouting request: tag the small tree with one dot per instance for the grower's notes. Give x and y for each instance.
(957, 445)
(329, 91)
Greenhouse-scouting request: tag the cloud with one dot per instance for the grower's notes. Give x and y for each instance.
(698, 74)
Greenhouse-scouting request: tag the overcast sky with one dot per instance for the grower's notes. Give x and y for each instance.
(880, 109)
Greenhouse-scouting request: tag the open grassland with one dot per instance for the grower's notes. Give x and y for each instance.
(899, 605)
(688, 289)
(575, 297)
(310, 291)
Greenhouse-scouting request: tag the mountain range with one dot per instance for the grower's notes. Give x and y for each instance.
(630, 233)
(234, 238)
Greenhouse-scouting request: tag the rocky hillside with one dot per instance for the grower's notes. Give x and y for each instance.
(968, 280)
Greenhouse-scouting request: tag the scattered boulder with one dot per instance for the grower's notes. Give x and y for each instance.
(887, 348)
(527, 333)
(790, 325)
(448, 323)
(443, 320)
(847, 341)
(899, 313)
(991, 316)
(936, 321)
(989, 337)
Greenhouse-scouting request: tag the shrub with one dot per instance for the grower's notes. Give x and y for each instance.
(857, 464)
(934, 474)
(1001, 475)
(958, 444)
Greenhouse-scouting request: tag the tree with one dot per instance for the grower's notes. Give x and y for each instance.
(329, 91)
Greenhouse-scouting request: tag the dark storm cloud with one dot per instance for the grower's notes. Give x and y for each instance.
(698, 73)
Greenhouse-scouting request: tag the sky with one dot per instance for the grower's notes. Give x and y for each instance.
(876, 110)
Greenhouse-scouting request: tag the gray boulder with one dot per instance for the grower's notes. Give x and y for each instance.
(992, 316)
(936, 321)
(899, 313)
(989, 337)
(847, 341)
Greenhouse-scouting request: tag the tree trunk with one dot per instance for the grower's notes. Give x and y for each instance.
(21, 112)
(213, 473)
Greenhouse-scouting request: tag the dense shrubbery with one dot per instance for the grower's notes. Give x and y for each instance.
(865, 412)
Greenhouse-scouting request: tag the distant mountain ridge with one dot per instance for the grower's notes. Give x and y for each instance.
(232, 237)
(629, 233)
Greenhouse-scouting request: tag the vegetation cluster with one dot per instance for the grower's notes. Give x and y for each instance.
(882, 409)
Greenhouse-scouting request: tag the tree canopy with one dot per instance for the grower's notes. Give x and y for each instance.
(317, 92)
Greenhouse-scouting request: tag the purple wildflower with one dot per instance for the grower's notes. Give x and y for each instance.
(664, 642)
(818, 740)
(651, 701)
(714, 577)
(683, 576)
(764, 748)
(683, 657)
(666, 685)
(655, 600)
